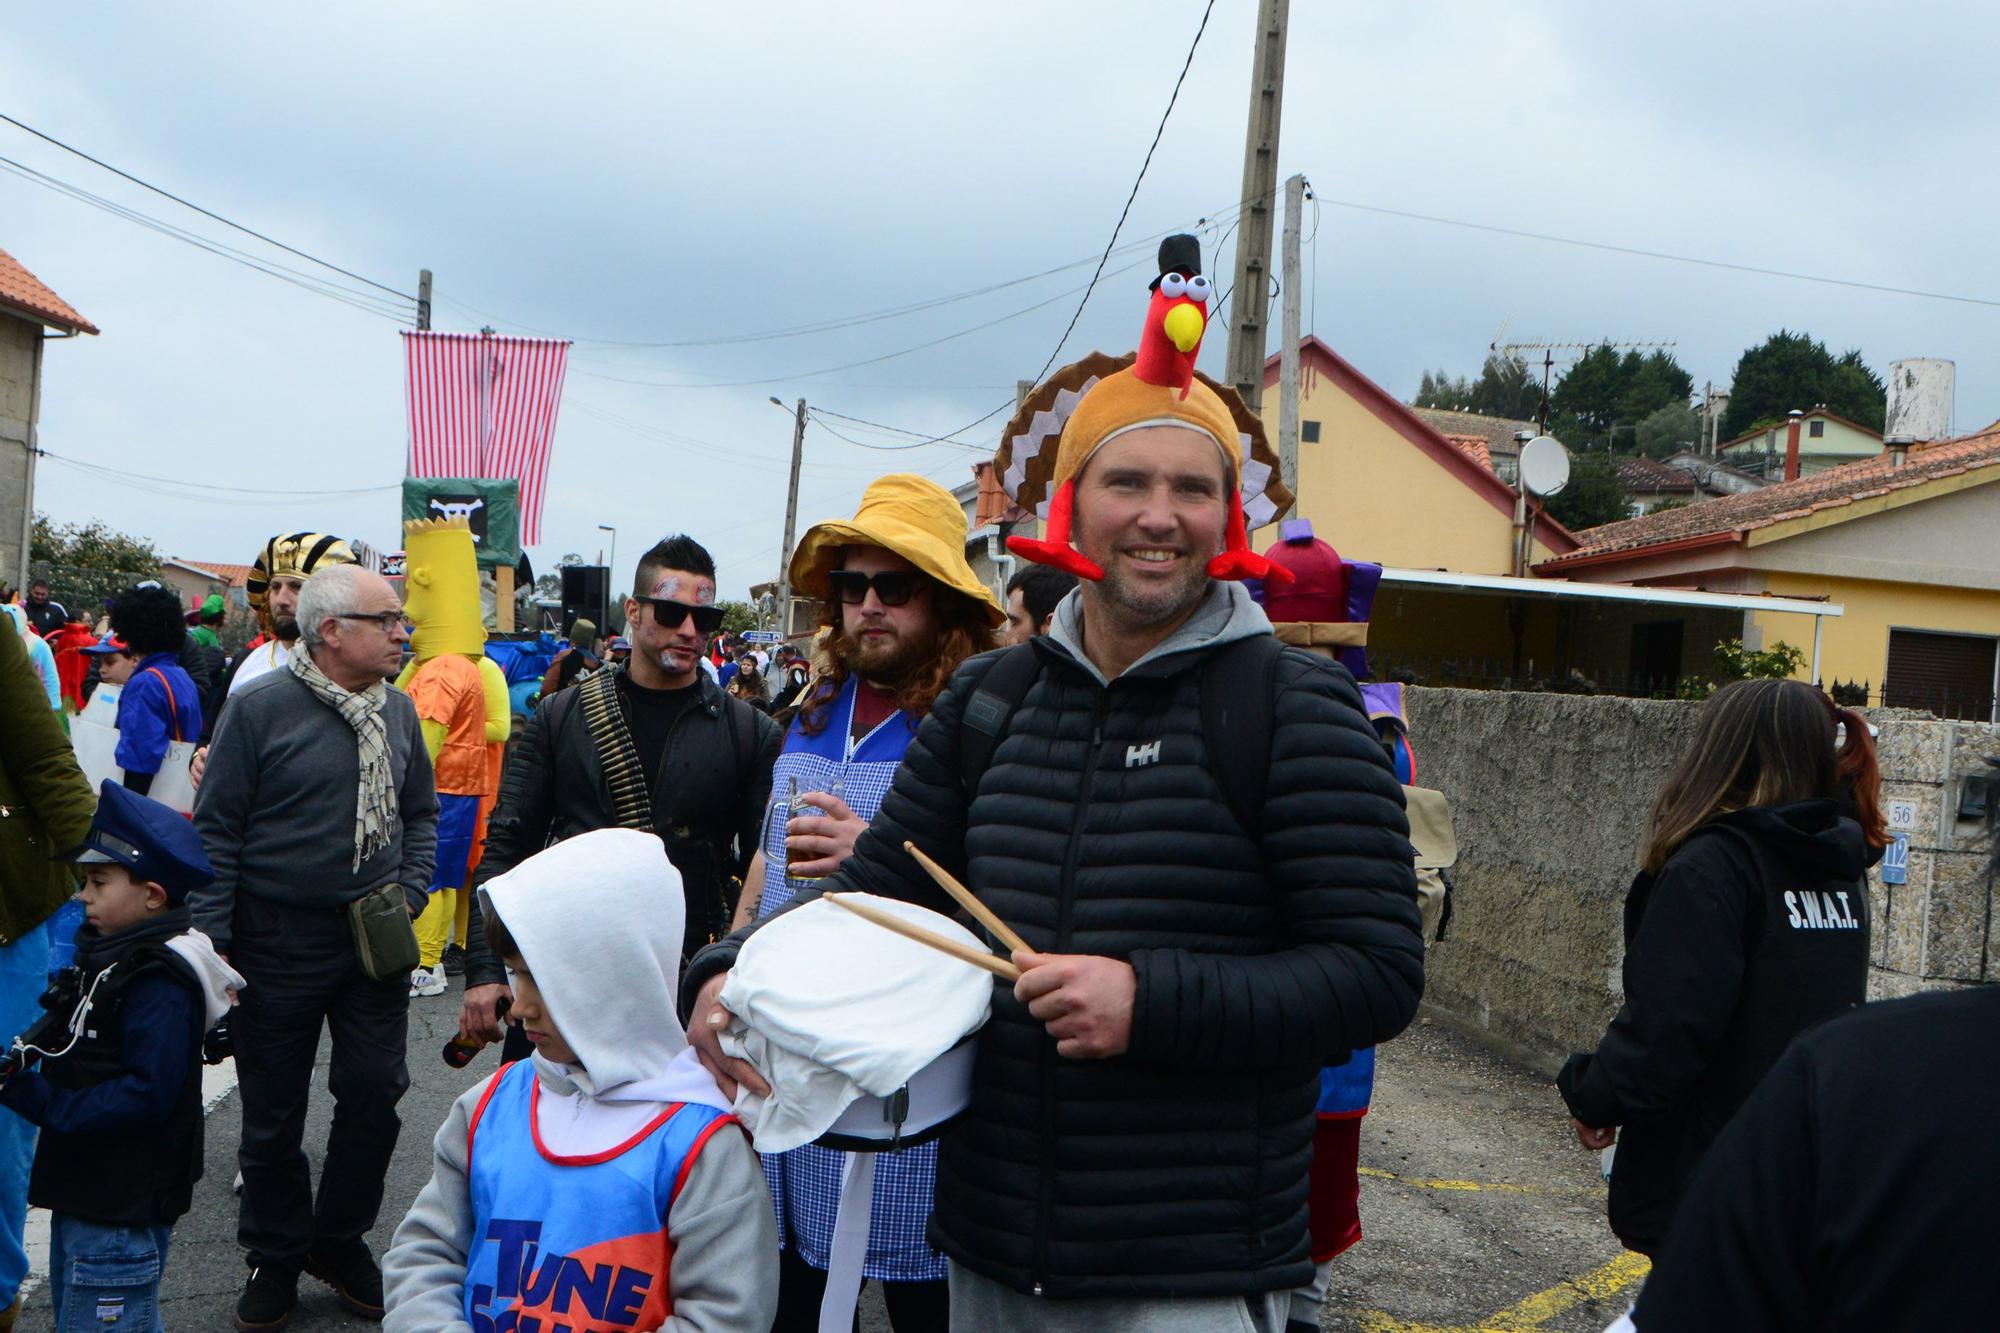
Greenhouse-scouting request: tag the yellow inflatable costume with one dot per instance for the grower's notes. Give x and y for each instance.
(461, 699)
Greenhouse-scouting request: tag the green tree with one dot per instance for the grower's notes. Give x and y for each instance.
(1506, 387)
(737, 617)
(1593, 496)
(1794, 370)
(1603, 397)
(1667, 430)
(86, 563)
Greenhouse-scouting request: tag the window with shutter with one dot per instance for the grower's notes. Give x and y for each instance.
(1950, 675)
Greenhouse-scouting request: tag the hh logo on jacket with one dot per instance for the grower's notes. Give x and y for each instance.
(606, 1286)
(1138, 756)
(1809, 909)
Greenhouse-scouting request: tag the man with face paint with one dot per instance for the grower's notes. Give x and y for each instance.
(652, 743)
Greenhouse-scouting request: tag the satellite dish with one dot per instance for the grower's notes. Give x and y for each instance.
(1544, 465)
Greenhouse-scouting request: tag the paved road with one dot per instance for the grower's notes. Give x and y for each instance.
(1479, 1210)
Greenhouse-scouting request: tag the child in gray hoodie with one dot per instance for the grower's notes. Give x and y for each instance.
(603, 1183)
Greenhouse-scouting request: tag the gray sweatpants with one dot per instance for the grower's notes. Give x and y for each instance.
(979, 1304)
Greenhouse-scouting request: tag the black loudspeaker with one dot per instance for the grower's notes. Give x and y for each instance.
(586, 592)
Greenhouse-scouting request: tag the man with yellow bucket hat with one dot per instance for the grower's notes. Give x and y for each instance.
(900, 609)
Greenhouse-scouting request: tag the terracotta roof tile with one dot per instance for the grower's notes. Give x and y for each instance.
(1830, 489)
(22, 291)
(1475, 448)
(1652, 476)
(233, 575)
(1498, 432)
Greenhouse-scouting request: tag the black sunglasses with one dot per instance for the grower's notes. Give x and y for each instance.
(894, 588)
(670, 614)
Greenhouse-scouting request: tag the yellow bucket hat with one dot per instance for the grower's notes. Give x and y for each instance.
(911, 516)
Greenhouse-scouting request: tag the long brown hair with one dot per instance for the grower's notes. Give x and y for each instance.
(1767, 742)
(959, 628)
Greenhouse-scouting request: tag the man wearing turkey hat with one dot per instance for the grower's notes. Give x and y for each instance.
(1136, 1149)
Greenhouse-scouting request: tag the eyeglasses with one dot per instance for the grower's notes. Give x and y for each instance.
(894, 587)
(387, 620)
(670, 614)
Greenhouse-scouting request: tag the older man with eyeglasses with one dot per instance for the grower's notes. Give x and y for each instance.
(649, 743)
(294, 854)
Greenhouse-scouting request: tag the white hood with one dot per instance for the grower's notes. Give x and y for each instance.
(217, 978)
(598, 919)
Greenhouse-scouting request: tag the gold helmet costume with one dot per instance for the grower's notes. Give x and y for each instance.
(291, 556)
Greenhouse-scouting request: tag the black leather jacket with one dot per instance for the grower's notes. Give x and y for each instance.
(708, 804)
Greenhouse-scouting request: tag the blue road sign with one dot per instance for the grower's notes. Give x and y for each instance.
(1896, 859)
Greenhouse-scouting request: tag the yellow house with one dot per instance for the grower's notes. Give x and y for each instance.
(1826, 440)
(1902, 541)
(1382, 485)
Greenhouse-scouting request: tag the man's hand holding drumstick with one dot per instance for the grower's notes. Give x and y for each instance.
(1084, 1001)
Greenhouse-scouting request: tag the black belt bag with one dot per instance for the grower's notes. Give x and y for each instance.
(385, 942)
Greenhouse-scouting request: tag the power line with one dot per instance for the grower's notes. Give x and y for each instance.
(848, 365)
(1126, 211)
(167, 194)
(888, 448)
(1660, 254)
(363, 301)
(181, 488)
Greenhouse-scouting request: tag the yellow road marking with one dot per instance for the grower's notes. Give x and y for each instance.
(1598, 1284)
(1477, 1186)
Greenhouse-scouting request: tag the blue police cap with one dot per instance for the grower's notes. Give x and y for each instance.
(139, 833)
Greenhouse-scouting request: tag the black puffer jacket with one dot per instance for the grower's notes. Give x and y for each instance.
(1180, 1166)
(1755, 930)
(708, 804)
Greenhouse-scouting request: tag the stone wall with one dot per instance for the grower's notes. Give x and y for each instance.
(18, 338)
(1550, 795)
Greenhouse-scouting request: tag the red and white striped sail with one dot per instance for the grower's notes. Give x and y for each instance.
(482, 405)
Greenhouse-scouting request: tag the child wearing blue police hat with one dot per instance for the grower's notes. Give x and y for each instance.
(112, 1072)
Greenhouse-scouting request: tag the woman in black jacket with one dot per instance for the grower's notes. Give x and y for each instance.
(1747, 925)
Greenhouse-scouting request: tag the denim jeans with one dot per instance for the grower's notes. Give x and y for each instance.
(24, 975)
(106, 1279)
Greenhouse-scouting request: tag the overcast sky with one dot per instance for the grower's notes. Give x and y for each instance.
(680, 172)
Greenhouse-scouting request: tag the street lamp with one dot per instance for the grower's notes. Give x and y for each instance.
(611, 574)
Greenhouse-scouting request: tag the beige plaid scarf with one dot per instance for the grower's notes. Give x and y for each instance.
(375, 804)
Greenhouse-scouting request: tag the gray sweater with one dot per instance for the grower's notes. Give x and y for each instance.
(276, 806)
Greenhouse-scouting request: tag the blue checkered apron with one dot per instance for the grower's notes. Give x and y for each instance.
(805, 1182)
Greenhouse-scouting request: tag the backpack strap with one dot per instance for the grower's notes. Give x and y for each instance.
(987, 712)
(173, 704)
(1238, 685)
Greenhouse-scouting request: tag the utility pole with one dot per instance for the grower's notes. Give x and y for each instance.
(423, 299)
(1288, 350)
(1260, 184)
(791, 521)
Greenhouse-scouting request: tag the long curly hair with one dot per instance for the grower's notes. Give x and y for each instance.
(149, 620)
(959, 630)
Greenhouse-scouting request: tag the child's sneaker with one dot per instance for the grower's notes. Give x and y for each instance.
(427, 981)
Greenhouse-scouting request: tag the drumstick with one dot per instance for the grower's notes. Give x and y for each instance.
(963, 897)
(999, 967)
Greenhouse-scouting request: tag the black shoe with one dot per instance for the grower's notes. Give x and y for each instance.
(268, 1299)
(454, 961)
(350, 1270)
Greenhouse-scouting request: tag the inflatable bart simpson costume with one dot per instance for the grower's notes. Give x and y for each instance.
(461, 699)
